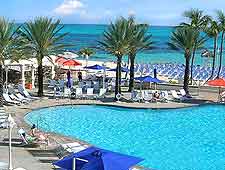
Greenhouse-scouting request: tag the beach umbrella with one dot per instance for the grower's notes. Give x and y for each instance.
(71, 63)
(123, 69)
(148, 79)
(94, 158)
(98, 67)
(95, 67)
(219, 82)
(60, 60)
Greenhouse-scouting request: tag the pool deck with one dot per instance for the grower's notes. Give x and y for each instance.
(26, 159)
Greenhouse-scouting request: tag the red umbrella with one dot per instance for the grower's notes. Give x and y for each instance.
(60, 60)
(219, 82)
(71, 63)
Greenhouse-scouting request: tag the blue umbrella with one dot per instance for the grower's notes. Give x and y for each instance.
(148, 79)
(94, 158)
(96, 67)
(123, 69)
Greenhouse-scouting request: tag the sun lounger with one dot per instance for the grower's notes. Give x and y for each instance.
(9, 100)
(175, 96)
(90, 93)
(164, 96)
(58, 93)
(145, 96)
(21, 97)
(14, 97)
(67, 92)
(135, 96)
(102, 93)
(79, 93)
(26, 93)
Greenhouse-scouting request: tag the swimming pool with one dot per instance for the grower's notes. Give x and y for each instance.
(171, 139)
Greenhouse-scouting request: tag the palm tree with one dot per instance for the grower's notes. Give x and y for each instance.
(197, 21)
(10, 47)
(213, 31)
(183, 39)
(44, 39)
(86, 52)
(221, 20)
(114, 42)
(138, 40)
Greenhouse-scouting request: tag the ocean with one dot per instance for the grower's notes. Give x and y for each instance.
(87, 36)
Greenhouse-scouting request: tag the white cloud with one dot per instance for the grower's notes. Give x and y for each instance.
(68, 7)
(131, 12)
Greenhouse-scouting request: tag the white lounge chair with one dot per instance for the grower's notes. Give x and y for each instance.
(175, 96)
(9, 100)
(102, 93)
(145, 96)
(79, 93)
(165, 96)
(135, 96)
(14, 97)
(90, 93)
(21, 97)
(25, 93)
(67, 92)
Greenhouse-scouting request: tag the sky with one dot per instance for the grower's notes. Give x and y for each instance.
(153, 12)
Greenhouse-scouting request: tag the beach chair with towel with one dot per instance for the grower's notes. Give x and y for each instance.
(176, 97)
(135, 97)
(9, 100)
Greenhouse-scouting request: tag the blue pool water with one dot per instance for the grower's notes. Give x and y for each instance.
(176, 139)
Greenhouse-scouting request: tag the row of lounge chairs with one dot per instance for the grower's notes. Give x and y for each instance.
(78, 93)
(3, 118)
(162, 96)
(12, 97)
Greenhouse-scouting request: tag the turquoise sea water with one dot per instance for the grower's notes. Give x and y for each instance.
(174, 139)
(88, 35)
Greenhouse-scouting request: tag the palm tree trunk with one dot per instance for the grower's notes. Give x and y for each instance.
(118, 76)
(1, 86)
(131, 83)
(187, 72)
(192, 63)
(221, 54)
(40, 79)
(128, 63)
(214, 57)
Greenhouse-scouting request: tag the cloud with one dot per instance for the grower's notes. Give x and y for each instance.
(131, 12)
(68, 7)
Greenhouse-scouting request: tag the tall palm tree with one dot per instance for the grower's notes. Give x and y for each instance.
(139, 40)
(197, 21)
(86, 52)
(221, 20)
(213, 32)
(183, 39)
(44, 39)
(10, 47)
(114, 42)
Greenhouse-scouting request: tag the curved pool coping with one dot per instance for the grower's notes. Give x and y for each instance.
(21, 111)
